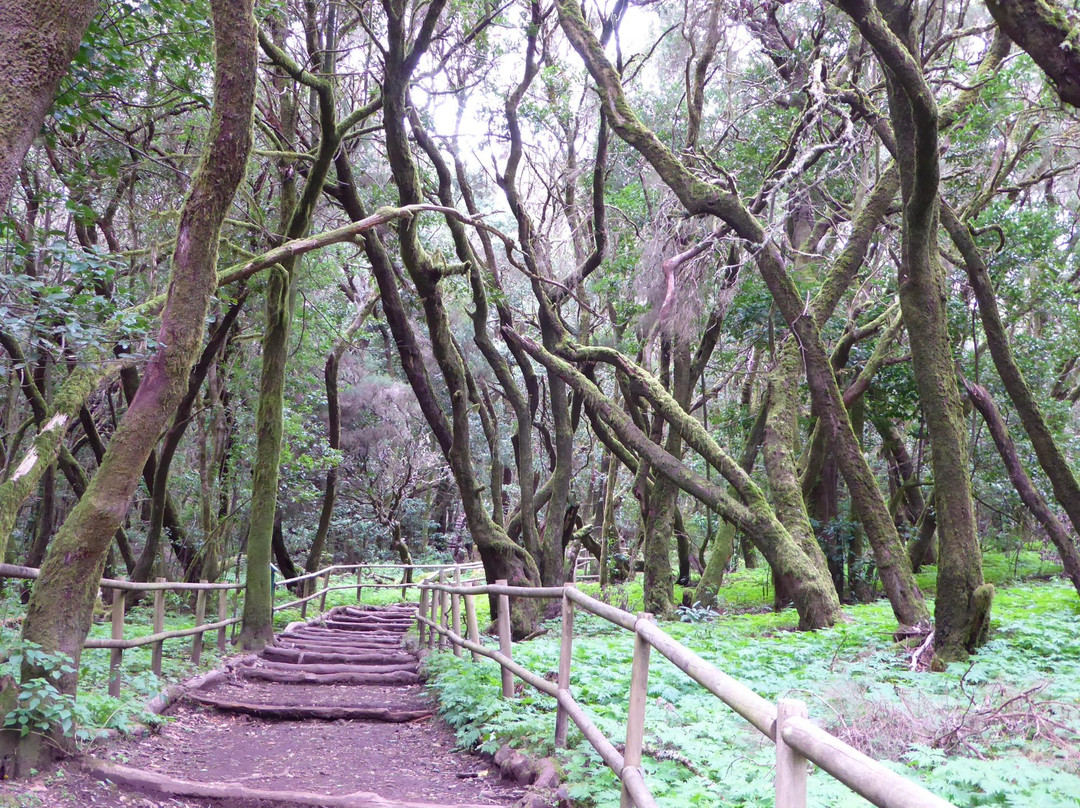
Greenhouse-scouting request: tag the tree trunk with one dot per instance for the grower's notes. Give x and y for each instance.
(258, 623)
(662, 499)
(38, 40)
(811, 590)
(333, 409)
(1053, 461)
(962, 605)
(1066, 547)
(724, 543)
(61, 606)
(502, 558)
(702, 198)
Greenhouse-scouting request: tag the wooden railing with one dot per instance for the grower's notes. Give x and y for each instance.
(117, 643)
(785, 723)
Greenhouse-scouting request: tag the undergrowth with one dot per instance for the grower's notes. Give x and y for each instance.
(1000, 730)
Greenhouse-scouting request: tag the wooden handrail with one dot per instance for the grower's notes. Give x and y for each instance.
(15, 571)
(117, 644)
(857, 771)
(799, 740)
(354, 567)
(151, 639)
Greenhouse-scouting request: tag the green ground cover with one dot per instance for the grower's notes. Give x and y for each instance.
(1000, 730)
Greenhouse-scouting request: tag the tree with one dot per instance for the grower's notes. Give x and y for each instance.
(61, 605)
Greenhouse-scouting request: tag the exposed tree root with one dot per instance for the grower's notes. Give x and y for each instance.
(301, 677)
(162, 785)
(329, 668)
(301, 712)
(360, 658)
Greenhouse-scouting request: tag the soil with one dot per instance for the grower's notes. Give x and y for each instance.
(413, 761)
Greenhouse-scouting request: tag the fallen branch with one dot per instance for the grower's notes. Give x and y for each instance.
(161, 784)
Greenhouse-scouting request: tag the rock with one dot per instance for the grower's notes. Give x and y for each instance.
(563, 797)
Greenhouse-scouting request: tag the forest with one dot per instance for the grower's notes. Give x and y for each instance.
(685, 294)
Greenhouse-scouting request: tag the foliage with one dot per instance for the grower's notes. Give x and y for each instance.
(946, 730)
(40, 706)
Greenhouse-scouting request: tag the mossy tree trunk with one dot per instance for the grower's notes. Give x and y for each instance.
(296, 215)
(810, 589)
(61, 606)
(1047, 30)
(724, 543)
(258, 624)
(962, 603)
(38, 40)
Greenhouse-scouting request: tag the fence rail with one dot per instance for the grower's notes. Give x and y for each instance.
(117, 643)
(444, 591)
(785, 723)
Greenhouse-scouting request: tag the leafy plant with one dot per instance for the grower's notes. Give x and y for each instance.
(40, 706)
(953, 731)
(697, 613)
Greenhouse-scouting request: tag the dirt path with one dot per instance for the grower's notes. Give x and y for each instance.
(332, 714)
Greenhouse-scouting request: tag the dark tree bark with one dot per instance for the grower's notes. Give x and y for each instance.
(502, 558)
(281, 552)
(159, 492)
(1065, 485)
(333, 408)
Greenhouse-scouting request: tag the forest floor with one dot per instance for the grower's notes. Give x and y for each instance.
(332, 709)
(1000, 729)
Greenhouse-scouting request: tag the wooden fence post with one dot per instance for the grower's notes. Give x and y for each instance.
(420, 627)
(236, 609)
(359, 587)
(116, 655)
(790, 765)
(159, 626)
(455, 610)
(470, 622)
(433, 616)
(437, 598)
(326, 587)
(306, 588)
(505, 641)
(565, 650)
(635, 718)
(200, 618)
(222, 614)
(445, 622)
